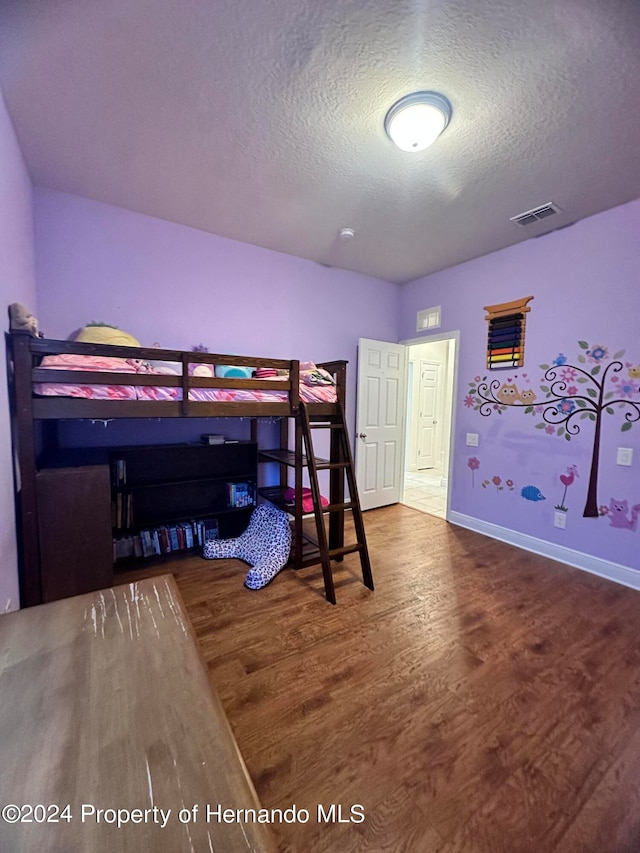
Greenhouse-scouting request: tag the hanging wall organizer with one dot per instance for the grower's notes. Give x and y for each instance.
(505, 344)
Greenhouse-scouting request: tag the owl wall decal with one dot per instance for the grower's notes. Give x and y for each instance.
(508, 393)
(528, 396)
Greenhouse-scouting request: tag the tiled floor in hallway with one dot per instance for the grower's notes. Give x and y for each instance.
(423, 490)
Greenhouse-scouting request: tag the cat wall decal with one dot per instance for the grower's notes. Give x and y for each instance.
(618, 514)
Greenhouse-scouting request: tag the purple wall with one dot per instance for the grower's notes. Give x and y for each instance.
(169, 283)
(586, 284)
(17, 284)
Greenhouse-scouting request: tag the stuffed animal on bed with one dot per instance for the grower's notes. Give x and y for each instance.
(103, 333)
(21, 320)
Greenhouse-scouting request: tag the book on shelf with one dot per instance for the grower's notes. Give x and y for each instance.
(241, 494)
(165, 539)
(146, 543)
(163, 536)
(173, 537)
(125, 547)
(119, 472)
(122, 511)
(212, 438)
(209, 529)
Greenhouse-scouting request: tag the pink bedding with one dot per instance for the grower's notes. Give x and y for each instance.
(87, 363)
(310, 393)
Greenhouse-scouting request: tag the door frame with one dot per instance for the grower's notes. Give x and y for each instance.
(430, 339)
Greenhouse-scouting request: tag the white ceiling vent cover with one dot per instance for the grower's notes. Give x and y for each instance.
(535, 215)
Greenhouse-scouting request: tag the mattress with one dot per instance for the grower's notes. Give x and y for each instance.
(310, 392)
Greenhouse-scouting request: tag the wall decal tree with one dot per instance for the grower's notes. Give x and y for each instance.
(565, 404)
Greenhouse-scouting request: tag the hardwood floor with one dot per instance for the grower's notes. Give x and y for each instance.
(481, 700)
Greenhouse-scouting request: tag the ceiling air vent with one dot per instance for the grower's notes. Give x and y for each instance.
(535, 215)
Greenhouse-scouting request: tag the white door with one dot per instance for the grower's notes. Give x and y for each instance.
(428, 431)
(379, 422)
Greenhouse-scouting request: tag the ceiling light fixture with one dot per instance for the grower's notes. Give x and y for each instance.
(417, 120)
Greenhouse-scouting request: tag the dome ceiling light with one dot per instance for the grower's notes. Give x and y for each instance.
(417, 120)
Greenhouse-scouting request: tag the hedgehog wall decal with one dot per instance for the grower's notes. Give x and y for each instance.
(532, 493)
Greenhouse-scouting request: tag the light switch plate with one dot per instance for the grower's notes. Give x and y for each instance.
(625, 456)
(472, 439)
(560, 519)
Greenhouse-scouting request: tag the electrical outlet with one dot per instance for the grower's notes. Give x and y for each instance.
(560, 519)
(625, 456)
(472, 439)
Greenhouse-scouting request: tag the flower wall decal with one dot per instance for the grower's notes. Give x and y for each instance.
(597, 354)
(572, 394)
(474, 464)
(499, 484)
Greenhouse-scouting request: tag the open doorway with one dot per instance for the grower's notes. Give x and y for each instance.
(430, 384)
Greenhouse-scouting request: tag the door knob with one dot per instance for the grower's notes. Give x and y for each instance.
(435, 421)
(362, 435)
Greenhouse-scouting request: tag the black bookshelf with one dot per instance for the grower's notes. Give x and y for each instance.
(168, 499)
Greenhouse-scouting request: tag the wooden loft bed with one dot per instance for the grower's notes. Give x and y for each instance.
(28, 351)
(41, 395)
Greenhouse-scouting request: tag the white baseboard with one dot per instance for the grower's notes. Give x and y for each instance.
(579, 560)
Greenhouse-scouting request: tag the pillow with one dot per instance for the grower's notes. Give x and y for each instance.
(289, 497)
(202, 369)
(229, 371)
(316, 377)
(102, 334)
(169, 368)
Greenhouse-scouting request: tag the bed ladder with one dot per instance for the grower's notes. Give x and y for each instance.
(340, 467)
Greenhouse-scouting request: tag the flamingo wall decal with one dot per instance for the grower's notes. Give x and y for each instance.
(566, 480)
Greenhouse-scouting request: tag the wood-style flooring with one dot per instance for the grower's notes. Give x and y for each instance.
(481, 700)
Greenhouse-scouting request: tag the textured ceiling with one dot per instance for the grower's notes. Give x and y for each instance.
(263, 121)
